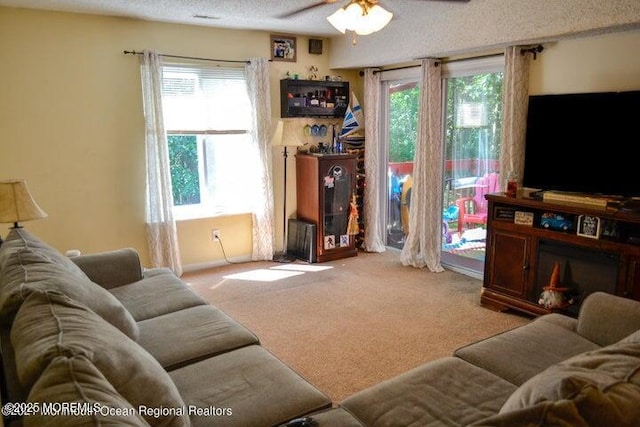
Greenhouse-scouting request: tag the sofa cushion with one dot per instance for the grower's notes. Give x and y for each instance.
(194, 333)
(159, 293)
(12, 391)
(600, 387)
(50, 324)
(569, 323)
(27, 265)
(20, 238)
(248, 387)
(335, 417)
(523, 352)
(444, 392)
(634, 337)
(74, 381)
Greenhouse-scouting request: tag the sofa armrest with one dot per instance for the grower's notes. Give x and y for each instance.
(606, 318)
(112, 268)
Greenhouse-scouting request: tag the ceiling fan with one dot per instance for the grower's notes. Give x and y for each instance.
(325, 2)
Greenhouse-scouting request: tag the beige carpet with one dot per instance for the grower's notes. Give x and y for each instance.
(366, 319)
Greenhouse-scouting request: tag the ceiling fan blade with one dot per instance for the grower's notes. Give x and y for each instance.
(306, 8)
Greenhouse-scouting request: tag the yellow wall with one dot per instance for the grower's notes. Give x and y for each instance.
(608, 62)
(71, 124)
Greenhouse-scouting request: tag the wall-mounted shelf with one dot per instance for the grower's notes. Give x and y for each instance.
(313, 98)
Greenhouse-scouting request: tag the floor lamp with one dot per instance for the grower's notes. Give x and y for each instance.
(285, 135)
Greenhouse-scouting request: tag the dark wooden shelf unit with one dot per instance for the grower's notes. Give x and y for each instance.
(324, 186)
(297, 98)
(520, 258)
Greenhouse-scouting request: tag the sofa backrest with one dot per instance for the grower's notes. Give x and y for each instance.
(28, 264)
(606, 319)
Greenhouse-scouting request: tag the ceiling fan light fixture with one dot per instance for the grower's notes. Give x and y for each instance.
(355, 10)
(338, 20)
(361, 17)
(375, 20)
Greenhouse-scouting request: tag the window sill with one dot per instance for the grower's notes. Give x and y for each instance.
(194, 212)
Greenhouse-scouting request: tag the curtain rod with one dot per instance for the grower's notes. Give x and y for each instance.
(440, 61)
(133, 52)
(533, 50)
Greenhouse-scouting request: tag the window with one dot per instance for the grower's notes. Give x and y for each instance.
(208, 120)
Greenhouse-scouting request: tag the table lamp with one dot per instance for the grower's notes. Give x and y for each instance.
(17, 204)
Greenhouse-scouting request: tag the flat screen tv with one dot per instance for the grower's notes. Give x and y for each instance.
(584, 142)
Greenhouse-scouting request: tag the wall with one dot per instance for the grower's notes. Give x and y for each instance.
(72, 125)
(608, 62)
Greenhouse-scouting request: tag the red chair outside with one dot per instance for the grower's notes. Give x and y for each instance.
(472, 210)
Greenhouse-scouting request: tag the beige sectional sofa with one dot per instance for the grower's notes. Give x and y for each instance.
(553, 371)
(115, 344)
(122, 345)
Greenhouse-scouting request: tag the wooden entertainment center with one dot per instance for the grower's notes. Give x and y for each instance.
(597, 248)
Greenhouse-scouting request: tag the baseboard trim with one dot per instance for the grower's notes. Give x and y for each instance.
(217, 263)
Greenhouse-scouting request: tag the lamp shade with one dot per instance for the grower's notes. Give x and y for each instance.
(360, 16)
(17, 204)
(285, 135)
(339, 20)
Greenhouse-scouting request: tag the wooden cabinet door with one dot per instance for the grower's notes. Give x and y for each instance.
(633, 279)
(508, 263)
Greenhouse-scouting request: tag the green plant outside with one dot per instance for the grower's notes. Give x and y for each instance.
(183, 159)
(403, 117)
(483, 88)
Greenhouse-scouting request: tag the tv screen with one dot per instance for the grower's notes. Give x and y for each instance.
(584, 142)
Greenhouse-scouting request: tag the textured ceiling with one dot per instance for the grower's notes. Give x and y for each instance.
(237, 14)
(420, 28)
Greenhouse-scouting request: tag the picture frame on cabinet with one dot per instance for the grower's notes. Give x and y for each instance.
(284, 48)
(589, 226)
(504, 213)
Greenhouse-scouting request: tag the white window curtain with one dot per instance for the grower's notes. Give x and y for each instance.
(263, 231)
(374, 231)
(162, 237)
(423, 244)
(514, 115)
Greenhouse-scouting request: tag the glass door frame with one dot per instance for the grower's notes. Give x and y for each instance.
(454, 69)
(406, 75)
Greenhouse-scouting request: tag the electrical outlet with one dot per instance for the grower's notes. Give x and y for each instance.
(215, 235)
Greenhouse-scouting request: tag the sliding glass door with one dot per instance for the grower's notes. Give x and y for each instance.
(400, 99)
(472, 138)
(472, 127)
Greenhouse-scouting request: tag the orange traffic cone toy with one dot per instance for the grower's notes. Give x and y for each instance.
(553, 296)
